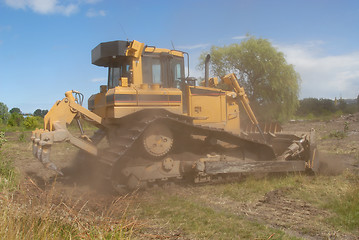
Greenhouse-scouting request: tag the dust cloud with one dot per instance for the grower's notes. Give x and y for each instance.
(335, 164)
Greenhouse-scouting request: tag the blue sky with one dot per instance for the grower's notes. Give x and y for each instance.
(45, 45)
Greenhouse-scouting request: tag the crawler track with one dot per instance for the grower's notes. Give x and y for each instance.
(124, 149)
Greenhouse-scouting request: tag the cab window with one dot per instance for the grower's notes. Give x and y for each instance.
(156, 73)
(151, 70)
(115, 73)
(164, 69)
(177, 72)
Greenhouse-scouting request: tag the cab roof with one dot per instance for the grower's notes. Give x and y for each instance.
(106, 53)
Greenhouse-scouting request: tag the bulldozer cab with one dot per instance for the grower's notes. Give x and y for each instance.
(139, 64)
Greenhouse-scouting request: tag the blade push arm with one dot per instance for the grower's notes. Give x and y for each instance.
(55, 129)
(66, 110)
(231, 80)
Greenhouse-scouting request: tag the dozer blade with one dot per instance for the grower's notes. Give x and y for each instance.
(224, 166)
(294, 153)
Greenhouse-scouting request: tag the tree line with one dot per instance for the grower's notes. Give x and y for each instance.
(325, 107)
(15, 117)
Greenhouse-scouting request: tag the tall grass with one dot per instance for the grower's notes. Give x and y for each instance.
(28, 211)
(8, 177)
(346, 205)
(32, 213)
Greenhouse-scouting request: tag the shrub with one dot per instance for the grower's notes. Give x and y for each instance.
(346, 126)
(337, 134)
(22, 137)
(4, 114)
(15, 120)
(33, 122)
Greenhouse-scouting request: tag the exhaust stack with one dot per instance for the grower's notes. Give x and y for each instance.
(206, 69)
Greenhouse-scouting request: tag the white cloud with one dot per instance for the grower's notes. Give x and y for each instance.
(91, 1)
(240, 37)
(95, 13)
(67, 10)
(16, 3)
(99, 79)
(191, 47)
(43, 6)
(323, 75)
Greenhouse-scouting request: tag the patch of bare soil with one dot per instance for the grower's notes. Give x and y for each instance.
(337, 140)
(275, 209)
(294, 216)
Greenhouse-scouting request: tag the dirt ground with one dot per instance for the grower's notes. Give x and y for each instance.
(337, 153)
(275, 209)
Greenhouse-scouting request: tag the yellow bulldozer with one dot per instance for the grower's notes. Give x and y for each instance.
(156, 126)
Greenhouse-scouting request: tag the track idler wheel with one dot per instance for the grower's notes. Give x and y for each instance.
(157, 140)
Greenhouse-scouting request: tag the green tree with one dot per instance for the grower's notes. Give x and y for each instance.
(326, 106)
(316, 107)
(15, 119)
(4, 114)
(271, 84)
(37, 113)
(308, 106)
(40, 113)
(15, 110)
(342, 105)
(44, 112)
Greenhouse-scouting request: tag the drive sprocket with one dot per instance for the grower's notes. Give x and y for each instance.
(157, 140)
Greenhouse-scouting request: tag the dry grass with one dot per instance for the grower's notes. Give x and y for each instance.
(29, 211)
(32, 213)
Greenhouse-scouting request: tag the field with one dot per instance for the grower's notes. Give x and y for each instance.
(37, 204)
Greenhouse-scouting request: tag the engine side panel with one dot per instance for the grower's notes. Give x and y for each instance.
(213, 107)
(119, 102)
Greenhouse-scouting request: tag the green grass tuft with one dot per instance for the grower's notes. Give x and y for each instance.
(346, 205)
(186, 215)
(8, 175)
